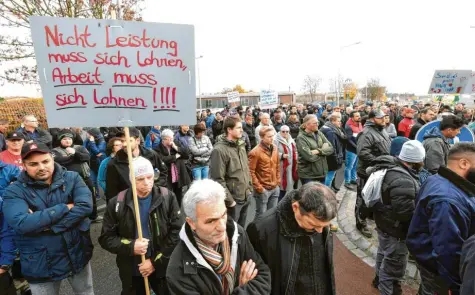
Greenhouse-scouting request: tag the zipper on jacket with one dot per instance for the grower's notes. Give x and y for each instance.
(291, 266)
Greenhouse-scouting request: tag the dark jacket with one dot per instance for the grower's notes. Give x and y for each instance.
(250, 131)
(442, 221)
(229, 166)
(183, 139)
(56, 131)
(415, 128)
(278, 239)
(189, 273)
(169, 157)
(437, 149)
(372, 142)
(467, 267)
(54, 242)
(309, 165)
(399, 190)
(338, 139)
(95, 148)
(217, 127)
(79, 162)
(119, 232)
(40, 135)
(117, 176)
(352, 129)
(294, 129)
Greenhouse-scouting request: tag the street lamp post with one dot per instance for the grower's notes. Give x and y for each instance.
(199, 78)
(337, 91)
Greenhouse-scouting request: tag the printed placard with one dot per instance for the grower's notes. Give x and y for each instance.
(97, 73)
(268, 98)
(449, 81)
(233, 96)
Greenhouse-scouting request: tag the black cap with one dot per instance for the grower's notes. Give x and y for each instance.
(15, 135)
(34, 147)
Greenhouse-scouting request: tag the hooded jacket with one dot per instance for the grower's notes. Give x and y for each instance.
(372, 142)
(399, 190)
(437, 149)
(229, 166)
(442, 221)
(54, 242)
(309, 165)
(338, 139)
(189, 273)
(278, 239)
(153, 138)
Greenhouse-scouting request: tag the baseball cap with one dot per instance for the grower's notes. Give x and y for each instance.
(15, 135)
(34, 147)
(376, 114)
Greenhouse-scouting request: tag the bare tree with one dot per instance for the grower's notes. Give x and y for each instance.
(15, 40)
(311, 85)
(373, 90)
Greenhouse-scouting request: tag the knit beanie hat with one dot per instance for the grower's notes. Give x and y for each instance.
(142, 167)
(412, 152)
(65, 133)
(396, 145)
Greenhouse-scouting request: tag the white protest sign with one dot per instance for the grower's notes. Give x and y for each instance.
(449, 81)
(470, 88)
(101, 72)
(233, 96)
(269, 98)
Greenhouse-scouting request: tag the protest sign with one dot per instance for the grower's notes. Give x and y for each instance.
(470, 88)
(268, 99)
(233, 97)
(97, 73)
(449, 81)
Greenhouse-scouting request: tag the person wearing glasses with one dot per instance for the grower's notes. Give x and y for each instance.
(32, 133)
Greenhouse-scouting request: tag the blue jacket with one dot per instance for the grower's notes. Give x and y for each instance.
(209, 120)
(102, 173)
(95, 148)
(154, 134)
(54, 242)
(8, 174)
(441, 223)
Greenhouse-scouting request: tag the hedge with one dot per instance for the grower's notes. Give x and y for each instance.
(15, 109)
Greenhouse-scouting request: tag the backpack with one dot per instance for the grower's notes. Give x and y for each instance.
(372, 192)
(121, 197)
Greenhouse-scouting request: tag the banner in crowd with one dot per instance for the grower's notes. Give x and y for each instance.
(465, 135)
(268, 99)
(470, 88)
(233, 97)
(449, 81)
(102, 72)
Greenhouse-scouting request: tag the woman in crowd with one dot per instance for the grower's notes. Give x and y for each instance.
(113, 146)
(200, 149)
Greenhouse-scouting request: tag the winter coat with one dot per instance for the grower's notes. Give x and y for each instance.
(251, 133)
(264, 168)
(169, 157)
(189, 273)
(153, 139)
(79, 162)
(442, 221)
(391, 130)
(119, 231)
(437, 149)
(217, 127)
(8, 174)
(118, 173)
(278, 239)
(294, 129)
(200, 150)
(229, 166)
(278, 125)
(309, 165)
(405, 126)
(338, 140)
(352, 129)
(291, 147)
(102, 173)
(399, 190)
(77, 139)
(415, 128)
(467, 267)
(183, 138)
(209, 120)
(96, 147)
(40, 135)
(372, 142)
(54, 242)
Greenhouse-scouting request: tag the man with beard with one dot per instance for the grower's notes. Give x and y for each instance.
(372, 142)
(426, 116)
(443, 220)
(337, 137)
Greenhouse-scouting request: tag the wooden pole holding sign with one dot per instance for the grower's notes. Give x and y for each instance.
(134, 196)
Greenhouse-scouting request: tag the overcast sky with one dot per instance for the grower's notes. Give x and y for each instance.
(261, 44)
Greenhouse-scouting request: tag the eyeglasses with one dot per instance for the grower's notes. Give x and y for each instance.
(284, 131)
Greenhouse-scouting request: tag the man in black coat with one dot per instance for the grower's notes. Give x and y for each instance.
(214, 255)
(394, 212)
(161, 221)
(117, 177)
(426, 116)
(296, 244)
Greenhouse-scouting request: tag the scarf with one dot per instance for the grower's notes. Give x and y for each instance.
(286, 164)
(220, 261)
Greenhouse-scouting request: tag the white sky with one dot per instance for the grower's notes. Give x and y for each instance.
(261, 43)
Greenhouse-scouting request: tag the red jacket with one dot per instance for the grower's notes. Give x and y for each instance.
(404, 128)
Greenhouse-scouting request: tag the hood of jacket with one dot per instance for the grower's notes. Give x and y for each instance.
(434, 132)
(388, 162)
(58, 177)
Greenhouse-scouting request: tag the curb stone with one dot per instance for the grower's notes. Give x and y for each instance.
(354, 241)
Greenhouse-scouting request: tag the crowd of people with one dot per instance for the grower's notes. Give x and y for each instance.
(195, 185)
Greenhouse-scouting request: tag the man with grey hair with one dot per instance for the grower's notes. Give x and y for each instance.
(214, 255)
(294, 239)
(32, 132)
(265, 121)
